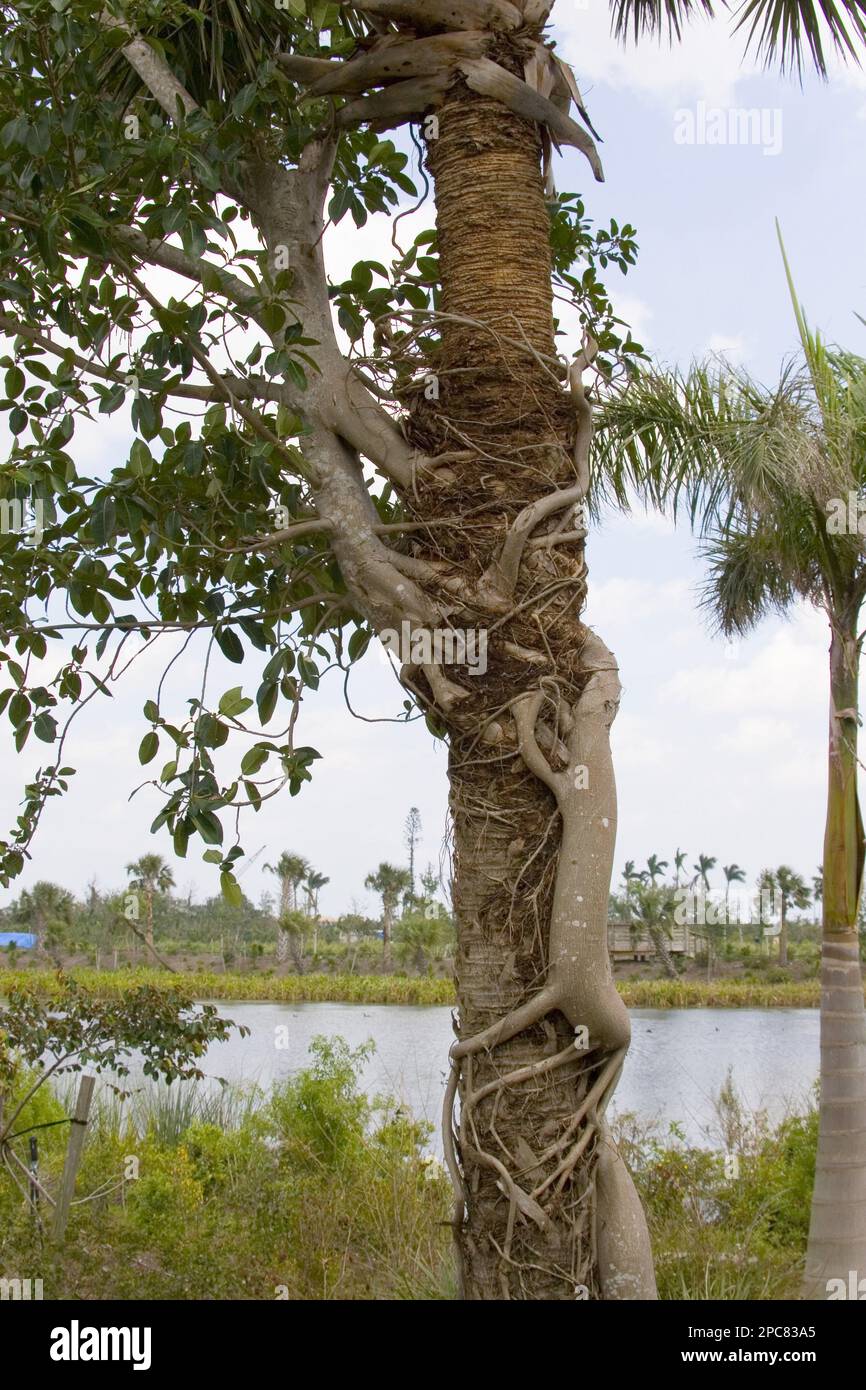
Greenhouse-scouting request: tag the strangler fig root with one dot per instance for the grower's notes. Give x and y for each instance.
(578, 985)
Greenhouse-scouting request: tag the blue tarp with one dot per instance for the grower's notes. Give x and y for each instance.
(24, 939)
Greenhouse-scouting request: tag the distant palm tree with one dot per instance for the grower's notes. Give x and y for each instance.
(792, 891)
(652, 909)
(680, 857)
(390, 882)
(655, 867)
(818, 885)
(418, 938)
(733, 874)
(705, 862)
(150, 875)
(291, 870)
(631, 875)
(313, 884)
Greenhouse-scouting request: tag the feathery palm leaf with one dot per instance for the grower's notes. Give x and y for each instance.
(784, 32)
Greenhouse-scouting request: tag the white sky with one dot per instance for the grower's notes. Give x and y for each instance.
(720, 751)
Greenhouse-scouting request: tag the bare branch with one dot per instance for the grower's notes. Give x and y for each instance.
(154, 72)
(446, 14)
(396, 104)
(301, 69)
(392, 62)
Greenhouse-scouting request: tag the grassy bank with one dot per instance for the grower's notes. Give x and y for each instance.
(401, 989)
(315, 1192)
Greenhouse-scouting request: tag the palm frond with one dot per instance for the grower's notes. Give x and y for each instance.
(640, 18)
(786, 31)
(216, 47)
(702, 442)
(838, 380)
(747, 579)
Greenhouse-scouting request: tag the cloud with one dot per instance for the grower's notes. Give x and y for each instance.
(636, 743)
(733, 348)
(787, 673)
(707, 63)
(628, 601)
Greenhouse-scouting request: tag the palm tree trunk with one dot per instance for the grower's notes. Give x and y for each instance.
(545, 1207)
(783, 931)
(148, 931)
(283, 937)
(837, 1232)
(657, 937)
(387, 911)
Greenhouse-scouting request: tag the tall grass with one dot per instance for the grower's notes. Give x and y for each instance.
(314, 1192)
(729, 1221)
(311, 1191)
(402, 989)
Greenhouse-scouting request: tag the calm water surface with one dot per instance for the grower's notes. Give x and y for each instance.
(678, 1059)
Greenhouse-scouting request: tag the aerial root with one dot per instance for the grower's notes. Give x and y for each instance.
(525, 1016)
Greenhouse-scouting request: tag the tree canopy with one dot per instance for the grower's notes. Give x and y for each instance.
(135, 281)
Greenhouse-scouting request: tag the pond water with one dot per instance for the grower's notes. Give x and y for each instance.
(678, 1060)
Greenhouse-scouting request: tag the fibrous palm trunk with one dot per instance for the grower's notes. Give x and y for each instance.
(387, 915)
(837, 1231)
(660, 944)
(546, 1209)
(284, 942)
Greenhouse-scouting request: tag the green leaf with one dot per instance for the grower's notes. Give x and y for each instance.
(234, 703)
(253, 759)
(208, 827)
(148, 748)
(104, 524)
(15, 382)
(358, 643)
(19, 709)
(45, 727)
(231, 890)
(229, 644)
(266, 700)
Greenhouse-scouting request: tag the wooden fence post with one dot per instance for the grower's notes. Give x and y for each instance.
(73, 1155)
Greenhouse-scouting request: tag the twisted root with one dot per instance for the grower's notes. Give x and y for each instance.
(578, 985)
